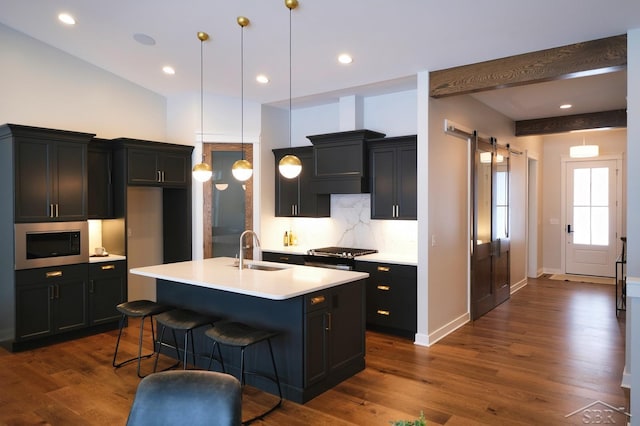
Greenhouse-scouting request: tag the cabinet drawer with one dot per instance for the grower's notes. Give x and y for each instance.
(106, 268)
(54, 274)
(316, 301)
(293, 259)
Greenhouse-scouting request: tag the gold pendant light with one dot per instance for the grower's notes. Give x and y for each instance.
(242, 169)
(290, 166)
(202, 171)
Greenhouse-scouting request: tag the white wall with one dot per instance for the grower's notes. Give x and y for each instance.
(448, 194)
(45, 87)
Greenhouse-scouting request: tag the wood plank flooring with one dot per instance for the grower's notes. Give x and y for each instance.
(553, 348)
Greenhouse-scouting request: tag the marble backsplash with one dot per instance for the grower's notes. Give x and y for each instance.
(350, 225)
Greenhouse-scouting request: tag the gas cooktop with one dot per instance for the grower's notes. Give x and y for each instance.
(342, 252)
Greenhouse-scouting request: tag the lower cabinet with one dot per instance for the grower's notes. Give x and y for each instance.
(107, 289)
(333, 331)
(50, 301)
(391, 297)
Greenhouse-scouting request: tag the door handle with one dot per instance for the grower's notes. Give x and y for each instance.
(569, 230)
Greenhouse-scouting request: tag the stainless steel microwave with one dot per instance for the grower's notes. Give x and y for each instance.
(46, 244)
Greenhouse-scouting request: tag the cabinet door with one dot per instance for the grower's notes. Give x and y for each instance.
(407, 183)
(174, 168)
(100, 189)
(316, 346)
(70, 181)
(142, 167)
(310, 204)
(33, 180)
(33, 310)
(383, 169)
(287, 193)
(70, 308)
(106, 290)
(345, 325)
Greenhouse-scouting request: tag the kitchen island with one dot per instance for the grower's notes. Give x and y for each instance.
(318, 312)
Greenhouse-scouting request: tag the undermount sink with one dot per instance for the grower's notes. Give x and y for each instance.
(259, 267)
(263, 267)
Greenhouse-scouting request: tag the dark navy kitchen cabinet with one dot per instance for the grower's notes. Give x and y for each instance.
(295, 197)
(393, 169)
(50, 173)
(50, 301)
(391, 297)
(107, 289)
(100, 179)
(157, 164)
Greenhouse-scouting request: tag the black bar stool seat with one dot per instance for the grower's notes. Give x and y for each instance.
(138, 309)
(239, 335)
(182, 320)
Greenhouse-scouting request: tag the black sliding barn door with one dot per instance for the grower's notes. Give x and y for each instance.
(490, 226)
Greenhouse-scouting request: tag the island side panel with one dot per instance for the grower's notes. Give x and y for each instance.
(284, 316)
(344, 339)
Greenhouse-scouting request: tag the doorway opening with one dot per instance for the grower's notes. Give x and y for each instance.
(228, 203)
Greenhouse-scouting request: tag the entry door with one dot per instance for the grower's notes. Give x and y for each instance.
(490, 227)
(591, 218)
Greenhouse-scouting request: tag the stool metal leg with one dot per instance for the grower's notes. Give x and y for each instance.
(220, 360)
(140, 338)
(276, 380)
(159, 343)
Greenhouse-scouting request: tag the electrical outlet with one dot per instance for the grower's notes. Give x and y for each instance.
(433, 240)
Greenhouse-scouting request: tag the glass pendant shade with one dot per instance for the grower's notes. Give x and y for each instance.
(202, 172)
(242, 170)
(584, 151)
(290, 166)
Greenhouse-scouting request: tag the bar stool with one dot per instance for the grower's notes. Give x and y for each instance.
(183, 320)
(239, 335)
(138, 309)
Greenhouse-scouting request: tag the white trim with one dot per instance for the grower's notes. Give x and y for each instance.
(442, 332)
(518, 286)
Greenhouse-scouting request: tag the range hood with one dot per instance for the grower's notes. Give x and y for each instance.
(340, 162)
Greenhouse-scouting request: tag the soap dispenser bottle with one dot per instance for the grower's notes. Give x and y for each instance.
(285, 240)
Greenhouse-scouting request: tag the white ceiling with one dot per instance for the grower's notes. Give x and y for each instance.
(390, 40)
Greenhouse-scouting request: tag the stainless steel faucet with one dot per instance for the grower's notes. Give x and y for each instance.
(255, 236)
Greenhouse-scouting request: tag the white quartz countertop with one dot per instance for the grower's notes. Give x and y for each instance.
(108, 258)
(219, 273)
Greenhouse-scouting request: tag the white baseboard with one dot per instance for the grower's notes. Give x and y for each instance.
(519, 285)
(430, 339)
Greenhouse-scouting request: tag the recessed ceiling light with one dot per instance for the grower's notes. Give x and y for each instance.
(65, 18)
(345, 59)
(263, 79)
(144, 39)
(168, 70)
(565, 106)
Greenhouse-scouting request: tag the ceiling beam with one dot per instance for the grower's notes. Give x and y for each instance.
(595, 120)
(574, 60)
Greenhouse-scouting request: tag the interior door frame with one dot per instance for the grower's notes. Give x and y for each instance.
(563, 197)
(207, 204)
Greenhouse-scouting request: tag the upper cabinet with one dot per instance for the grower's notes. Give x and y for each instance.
(340, 161)
(393, 169)
(157, 164)
(50, 169)
(100, 177)
(294, 197)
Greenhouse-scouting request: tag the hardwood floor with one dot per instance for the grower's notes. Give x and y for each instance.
(551, 349)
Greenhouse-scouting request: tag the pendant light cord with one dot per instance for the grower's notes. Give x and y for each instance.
(242, 91)
(201, 97)
(290, 11)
